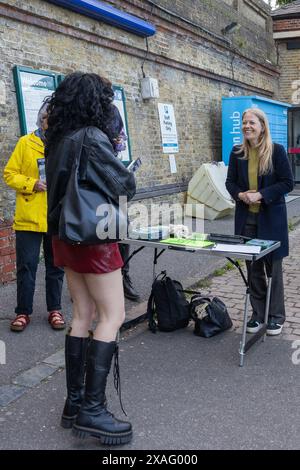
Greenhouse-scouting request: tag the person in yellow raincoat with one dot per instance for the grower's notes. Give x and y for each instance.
(25, 173)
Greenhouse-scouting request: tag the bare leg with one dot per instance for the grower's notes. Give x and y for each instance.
(106, 290)
(83, 305)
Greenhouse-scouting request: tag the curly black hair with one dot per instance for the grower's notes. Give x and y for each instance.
(81, 99)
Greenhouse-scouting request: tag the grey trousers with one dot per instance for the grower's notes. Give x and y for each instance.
(257, 274)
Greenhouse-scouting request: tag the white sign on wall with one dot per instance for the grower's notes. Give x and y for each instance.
(168, 128)
(172, 161)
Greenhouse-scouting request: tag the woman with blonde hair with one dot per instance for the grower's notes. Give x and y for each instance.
(259, 176)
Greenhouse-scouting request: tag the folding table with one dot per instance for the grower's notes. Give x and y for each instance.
(160, 248)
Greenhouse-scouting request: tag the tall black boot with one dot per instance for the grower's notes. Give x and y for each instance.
(75, 354)
(93, 418)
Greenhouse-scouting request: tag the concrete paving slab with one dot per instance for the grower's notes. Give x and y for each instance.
(57, 359)
(34, 376)
(9, 393)
(180, 392)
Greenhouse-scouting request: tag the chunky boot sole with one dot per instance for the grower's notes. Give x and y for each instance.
(111, 439)
(67, 422)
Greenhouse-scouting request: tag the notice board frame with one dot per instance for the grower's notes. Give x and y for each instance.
(33, 85)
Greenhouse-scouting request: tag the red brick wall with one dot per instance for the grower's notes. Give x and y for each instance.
(286, 25)
(7, 253)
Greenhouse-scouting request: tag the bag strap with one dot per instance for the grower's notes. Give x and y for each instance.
(200, 299)
(152, 324)
(163, 274)
(75, 165)
(187, 291)
(150, 313)
(81, 163)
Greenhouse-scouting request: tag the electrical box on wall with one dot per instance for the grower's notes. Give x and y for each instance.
(149, 88)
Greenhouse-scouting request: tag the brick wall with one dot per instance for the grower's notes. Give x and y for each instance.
(195, 65)
(288, 59)
(289, 84)
(7, 252)
(252, 13)
(290, 24)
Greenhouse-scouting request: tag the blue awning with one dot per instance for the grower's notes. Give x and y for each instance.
(108, 14)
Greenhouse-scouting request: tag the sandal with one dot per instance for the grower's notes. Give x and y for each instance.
(56, 320)
(20, 322)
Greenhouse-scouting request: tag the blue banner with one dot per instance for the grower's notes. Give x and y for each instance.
(108, 14)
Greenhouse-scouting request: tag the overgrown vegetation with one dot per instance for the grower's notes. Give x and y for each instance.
(206, 282)
(228, 267)
(283, 2)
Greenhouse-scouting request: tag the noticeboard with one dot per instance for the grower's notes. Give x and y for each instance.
(33, 86)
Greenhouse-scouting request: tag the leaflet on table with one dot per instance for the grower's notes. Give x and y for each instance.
(262, 243)
(157, 232)
(160, 232)
(186, 242)
(248, 249)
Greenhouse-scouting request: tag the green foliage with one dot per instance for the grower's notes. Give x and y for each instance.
(241, 43)
(202, 284)
(291, 226)
(206, 282)
(283, 2)
(228, 267)
(219, 272)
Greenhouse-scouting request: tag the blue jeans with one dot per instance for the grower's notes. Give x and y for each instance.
(28, 246)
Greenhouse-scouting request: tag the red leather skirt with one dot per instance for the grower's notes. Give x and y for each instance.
(94, 259)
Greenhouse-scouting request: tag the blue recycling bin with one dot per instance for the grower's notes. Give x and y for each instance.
(232, 111)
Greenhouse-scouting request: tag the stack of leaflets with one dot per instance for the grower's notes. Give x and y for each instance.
(188, 243)
(262, 243)
(157, 232)
(236, 249)
(199, 236)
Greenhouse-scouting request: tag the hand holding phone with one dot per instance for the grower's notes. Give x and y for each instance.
(134, 165)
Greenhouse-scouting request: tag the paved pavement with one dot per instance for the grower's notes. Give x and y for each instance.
(230, 288)
(180, 391)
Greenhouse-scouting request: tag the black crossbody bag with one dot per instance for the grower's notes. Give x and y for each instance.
(88, 215)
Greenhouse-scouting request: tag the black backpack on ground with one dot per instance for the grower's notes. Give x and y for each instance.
(168, 309)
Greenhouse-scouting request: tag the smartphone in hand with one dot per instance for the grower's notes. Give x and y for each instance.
(134, 165)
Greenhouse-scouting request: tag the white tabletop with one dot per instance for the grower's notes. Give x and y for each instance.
(231, 251)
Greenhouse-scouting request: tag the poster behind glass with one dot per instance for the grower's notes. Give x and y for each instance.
(32, 88)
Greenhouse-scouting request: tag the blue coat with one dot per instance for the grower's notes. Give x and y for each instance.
(272, 218)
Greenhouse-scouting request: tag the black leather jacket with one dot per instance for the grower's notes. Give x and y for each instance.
(98, 167)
